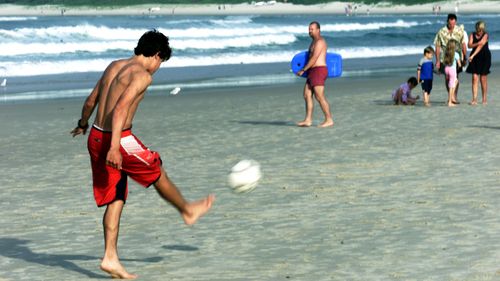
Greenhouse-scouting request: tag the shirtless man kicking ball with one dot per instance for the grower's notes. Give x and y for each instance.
(317, 73)
(115, 153)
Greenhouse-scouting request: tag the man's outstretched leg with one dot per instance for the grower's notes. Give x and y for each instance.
(190, 211)
(111, 222)
(319, 92)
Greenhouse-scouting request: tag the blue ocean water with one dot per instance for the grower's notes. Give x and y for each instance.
(56, 45)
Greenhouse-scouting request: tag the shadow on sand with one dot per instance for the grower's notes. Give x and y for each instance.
(17, 249)
(184, 248)
(270, 123)
(485, 127)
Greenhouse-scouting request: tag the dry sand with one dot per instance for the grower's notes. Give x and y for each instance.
(389, 193)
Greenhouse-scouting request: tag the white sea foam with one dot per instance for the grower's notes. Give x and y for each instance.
(59, 48)
(235, 42)
(17, 18)
(29, 68)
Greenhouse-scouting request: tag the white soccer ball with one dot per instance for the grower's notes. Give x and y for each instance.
(244, 176)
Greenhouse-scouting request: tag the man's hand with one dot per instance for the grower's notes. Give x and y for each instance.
(78, 131)
(114, 159)
(438, 66)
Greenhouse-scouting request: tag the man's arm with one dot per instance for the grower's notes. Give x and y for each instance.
(87, 110)
(464, 46)
(437, 47)
(464, 52)
(120, 114)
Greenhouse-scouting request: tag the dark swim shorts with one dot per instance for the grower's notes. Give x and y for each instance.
(316, 76)
(427, 86)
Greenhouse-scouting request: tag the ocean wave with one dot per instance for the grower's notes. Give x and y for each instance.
(347, 27)
(16, 49)
(238, 42)
(17, 18)
(95, 32)
(21, 67)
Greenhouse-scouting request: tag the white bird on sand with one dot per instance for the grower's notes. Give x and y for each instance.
(4, 82)
(175, 91)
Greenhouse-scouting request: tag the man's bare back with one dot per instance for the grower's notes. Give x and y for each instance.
(116, 79)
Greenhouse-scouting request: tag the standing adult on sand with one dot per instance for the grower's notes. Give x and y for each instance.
(445, 34)
(317, 73)
(479, 61)
(116, 153)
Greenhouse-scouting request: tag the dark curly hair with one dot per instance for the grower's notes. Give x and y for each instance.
(153, 42)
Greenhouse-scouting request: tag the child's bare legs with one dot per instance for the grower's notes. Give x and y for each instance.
(455, 92)
(451, 94)
(484, 88)
(426, 99)
(398, 99)
(475, 80)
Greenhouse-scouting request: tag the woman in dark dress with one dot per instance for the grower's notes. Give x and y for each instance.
(479, 61)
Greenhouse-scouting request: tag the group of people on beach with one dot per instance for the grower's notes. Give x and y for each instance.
(116, 153)
(451, 43)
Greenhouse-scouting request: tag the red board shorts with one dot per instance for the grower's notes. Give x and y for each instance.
(316, 76)
(138, 162)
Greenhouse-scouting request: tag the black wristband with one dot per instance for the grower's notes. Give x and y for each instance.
(79, 125)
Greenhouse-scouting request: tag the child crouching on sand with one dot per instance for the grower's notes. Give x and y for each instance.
(402, 95)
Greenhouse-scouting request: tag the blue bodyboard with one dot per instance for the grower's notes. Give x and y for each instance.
(333, 63)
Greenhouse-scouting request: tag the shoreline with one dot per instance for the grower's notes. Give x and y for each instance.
(465, 7)
(78, 85)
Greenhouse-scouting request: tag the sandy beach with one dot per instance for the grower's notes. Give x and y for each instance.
(389, 193)
(263, 7)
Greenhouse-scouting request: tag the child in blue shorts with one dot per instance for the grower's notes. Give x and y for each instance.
(425, 71)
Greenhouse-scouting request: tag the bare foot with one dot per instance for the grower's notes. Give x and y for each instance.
(473, 103)
(455, 102)
(326, 124)
(427, 104)
(304, 123)
(485, 102)
(196, 209)
(116, 270)
(451, 104)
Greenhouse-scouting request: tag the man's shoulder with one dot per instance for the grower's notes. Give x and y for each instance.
(321, 40)
(443, 30)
